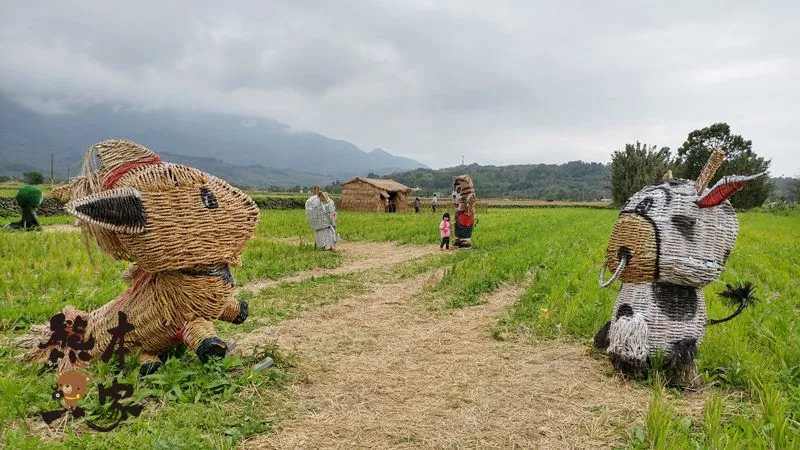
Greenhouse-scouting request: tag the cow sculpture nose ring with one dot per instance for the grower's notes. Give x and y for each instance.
(622, 263)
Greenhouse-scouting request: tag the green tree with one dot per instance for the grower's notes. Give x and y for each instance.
(635, 167)
(740, 159)
(32, 178)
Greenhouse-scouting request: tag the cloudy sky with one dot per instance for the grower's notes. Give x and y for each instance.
(500, 82)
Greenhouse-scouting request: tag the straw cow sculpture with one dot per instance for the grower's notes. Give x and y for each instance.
(182, 229)
(464, 201)
(671, 239)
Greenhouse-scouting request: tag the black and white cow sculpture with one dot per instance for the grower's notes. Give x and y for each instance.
(671, 239)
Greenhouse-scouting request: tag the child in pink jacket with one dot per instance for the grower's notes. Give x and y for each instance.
(444, 229)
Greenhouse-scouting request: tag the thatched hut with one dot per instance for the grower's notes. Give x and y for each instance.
(370, 194)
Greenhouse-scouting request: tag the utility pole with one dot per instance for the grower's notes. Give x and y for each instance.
(462, 160)
(52, 160)
(67, 173)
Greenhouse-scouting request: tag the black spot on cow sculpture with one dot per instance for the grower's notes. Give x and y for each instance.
(671, 239)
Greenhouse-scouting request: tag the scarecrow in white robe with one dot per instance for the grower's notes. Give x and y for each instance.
(321, 213)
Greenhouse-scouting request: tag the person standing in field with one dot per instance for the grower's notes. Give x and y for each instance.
(417, 205)
(434, 200)
(444, 231)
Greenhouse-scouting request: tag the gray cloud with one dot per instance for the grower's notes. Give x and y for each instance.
(500, 83)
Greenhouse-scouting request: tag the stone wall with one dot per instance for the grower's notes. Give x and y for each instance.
(49, 207)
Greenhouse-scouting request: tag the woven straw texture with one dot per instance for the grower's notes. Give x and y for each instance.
(464, 201)
(665, 323)
(62, 193)
(165, 304)
(464, 198)
(183, 228)
(637, 235)
(321, 217)
(192, 219)
(369, 194)
(714, 162)
(672, 247)
(670, 238)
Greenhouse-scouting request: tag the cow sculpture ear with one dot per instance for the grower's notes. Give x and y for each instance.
(120, 210)
(724, 188)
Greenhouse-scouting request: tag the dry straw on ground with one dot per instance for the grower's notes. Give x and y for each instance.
(359, 257)
(384, 369)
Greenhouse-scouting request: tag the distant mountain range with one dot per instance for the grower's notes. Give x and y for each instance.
(243, 150)
(262, 152)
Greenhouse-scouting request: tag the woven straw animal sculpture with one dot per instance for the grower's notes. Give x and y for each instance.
(321, 214)
(464, 200)
(28, 199)
(62, 193)
(182, 229)
(671, 239)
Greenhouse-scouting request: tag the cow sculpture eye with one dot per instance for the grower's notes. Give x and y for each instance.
(209, 199)
(644, 206)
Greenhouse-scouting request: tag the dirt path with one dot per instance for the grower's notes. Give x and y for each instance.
(386, 371)
(358, 257)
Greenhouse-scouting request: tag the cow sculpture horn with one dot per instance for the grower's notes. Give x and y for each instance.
(713, 163)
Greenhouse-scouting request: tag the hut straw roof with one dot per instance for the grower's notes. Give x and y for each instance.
(386, 185)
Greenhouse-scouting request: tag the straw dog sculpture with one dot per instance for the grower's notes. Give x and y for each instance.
(464, 200)
(182, 229)
(671, 239)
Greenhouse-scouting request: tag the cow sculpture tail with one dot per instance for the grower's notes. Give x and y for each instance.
(743, 295)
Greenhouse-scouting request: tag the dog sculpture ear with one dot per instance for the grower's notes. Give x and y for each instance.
(120, 210)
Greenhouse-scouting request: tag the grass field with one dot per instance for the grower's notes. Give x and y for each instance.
(9, 188)
(751, 366)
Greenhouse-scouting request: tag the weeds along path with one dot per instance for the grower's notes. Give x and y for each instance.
(358, 257)
(60, 228)
(385, 370)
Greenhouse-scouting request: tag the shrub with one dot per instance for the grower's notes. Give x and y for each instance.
(29, 197)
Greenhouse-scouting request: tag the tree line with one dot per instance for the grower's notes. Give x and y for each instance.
(573, 181)
(631, 168)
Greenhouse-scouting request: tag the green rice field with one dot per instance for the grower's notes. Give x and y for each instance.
(750, 366)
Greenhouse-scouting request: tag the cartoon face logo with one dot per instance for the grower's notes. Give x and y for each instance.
(72, 387)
